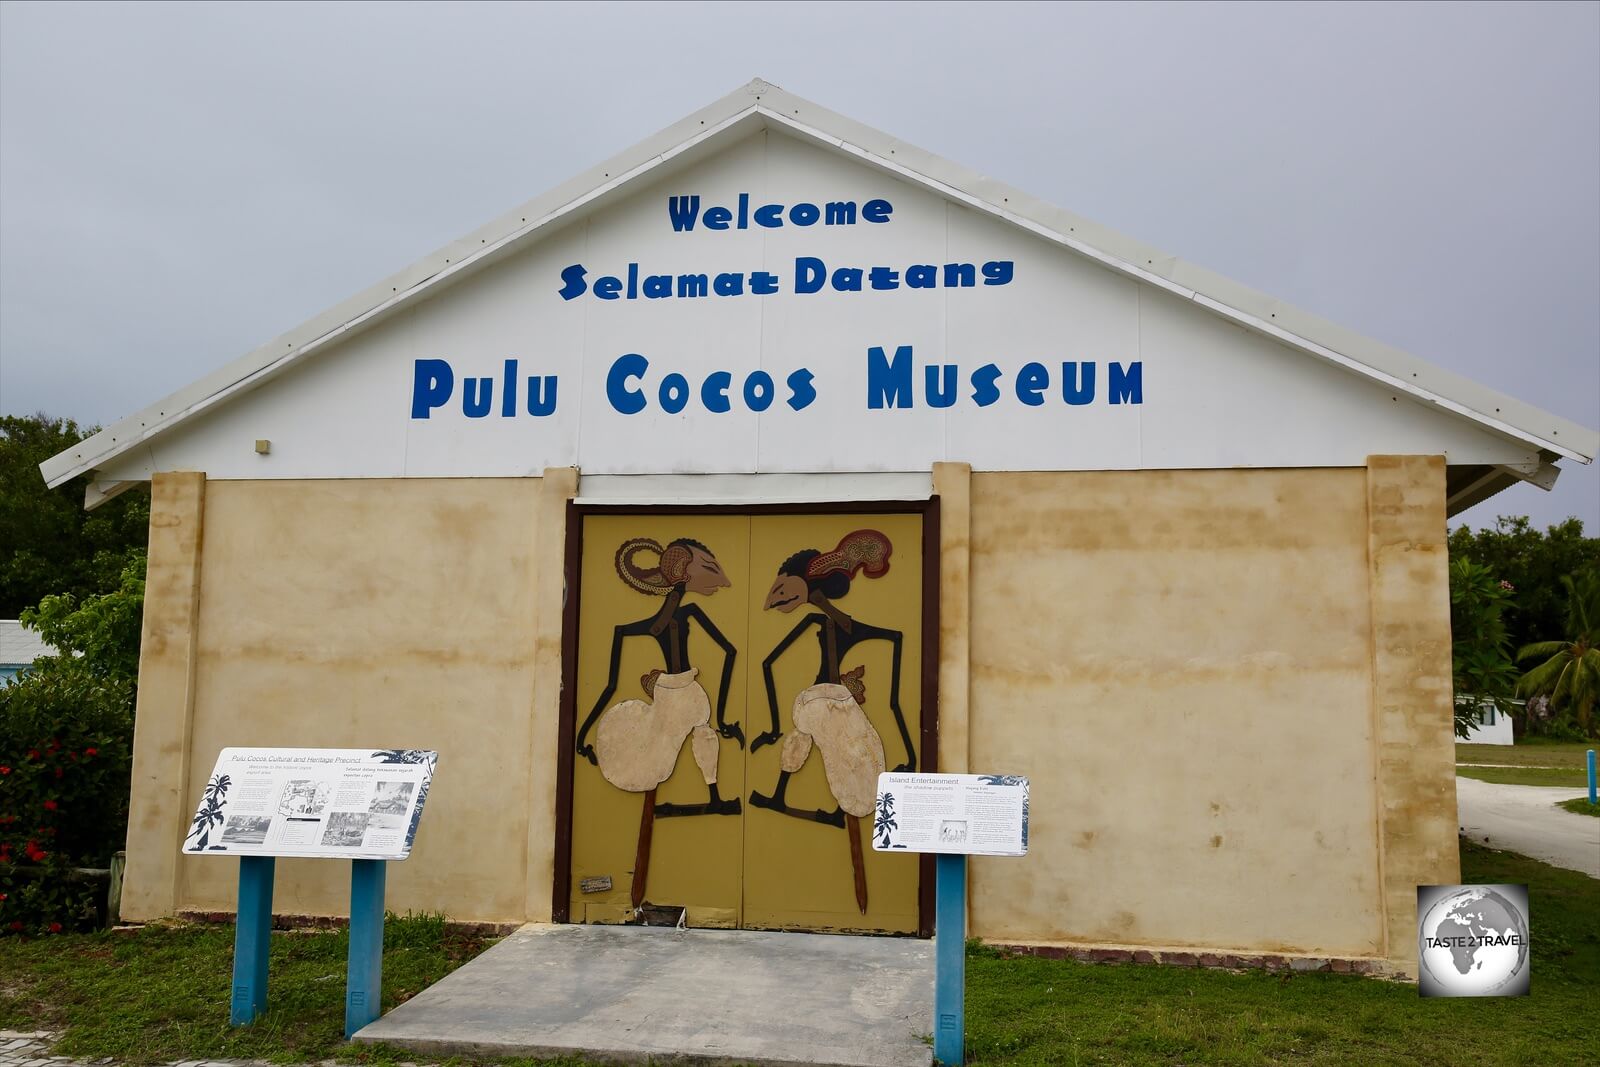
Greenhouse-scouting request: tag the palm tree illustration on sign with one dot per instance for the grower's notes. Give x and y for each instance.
(210, 813)
(636, 742)
(828, 712)
(884, 824)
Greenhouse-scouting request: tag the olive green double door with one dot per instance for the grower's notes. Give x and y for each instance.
(792, 864)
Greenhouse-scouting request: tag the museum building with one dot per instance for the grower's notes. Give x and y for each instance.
(675, 505)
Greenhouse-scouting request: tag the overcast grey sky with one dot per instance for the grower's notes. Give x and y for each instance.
(180, 183)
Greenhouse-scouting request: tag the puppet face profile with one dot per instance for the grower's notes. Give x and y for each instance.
(703, 574)
(787, 593)
(682, 563)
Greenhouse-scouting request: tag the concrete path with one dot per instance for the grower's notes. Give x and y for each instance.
(32, 1049)
(29, 1049)
(658, 995)
(1525, 819)
(20, 1048)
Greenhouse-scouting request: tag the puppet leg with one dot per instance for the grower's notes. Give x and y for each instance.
(704, 745)
(796, 750)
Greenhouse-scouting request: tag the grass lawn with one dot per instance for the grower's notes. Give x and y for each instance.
(1581, 806)
(1028, 1011)
(161, 994)
(1528, 753)
(1575, 777)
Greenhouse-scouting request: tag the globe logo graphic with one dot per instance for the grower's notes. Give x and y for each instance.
(1474, 943)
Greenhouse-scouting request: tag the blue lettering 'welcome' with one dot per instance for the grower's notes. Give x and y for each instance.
(683, 211)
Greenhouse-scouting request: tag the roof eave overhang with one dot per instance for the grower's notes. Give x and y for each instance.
(1470, 485)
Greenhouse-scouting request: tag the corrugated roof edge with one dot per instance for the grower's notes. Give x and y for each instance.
(761, 101)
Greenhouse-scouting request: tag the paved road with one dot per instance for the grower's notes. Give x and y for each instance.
(1525, 819)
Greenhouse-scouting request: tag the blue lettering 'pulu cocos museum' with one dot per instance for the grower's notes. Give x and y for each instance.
(892, 382)
(773, 453)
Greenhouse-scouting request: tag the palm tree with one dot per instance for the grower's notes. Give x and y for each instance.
(1570, 673)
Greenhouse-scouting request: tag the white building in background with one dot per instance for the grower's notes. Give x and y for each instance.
(1493, 728)
(19, 647)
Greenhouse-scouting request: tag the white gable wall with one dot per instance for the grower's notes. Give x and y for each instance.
(1212, 394)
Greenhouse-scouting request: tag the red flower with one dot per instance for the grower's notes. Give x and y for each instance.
(33, 753)
(16, 926)
(55, 928)
(2, 896)
(4, 769)
(91, 752)
(49, 805)
(59, 772)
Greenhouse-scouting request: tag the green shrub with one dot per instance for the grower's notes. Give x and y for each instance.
(65, 754)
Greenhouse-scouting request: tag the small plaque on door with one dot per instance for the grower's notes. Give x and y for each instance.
(595, 885)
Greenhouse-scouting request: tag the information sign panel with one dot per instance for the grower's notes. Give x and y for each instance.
(955, 814)
(334, 803)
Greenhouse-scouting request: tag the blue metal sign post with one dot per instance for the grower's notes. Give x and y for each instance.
(950, 960)
(252, 936)
(1592, 797)
(363, 993)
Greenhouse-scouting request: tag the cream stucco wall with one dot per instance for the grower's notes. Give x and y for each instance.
(384, 613)
(1230, 689)
(1183, 662)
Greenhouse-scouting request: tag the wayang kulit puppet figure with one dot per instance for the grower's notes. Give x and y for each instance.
(827, 714)
(636, 742)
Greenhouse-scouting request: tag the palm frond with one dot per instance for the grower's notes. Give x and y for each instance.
(1541, 648)
(1541, 679)
(1563, 688)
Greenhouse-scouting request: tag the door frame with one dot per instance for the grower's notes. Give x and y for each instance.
(928, 758)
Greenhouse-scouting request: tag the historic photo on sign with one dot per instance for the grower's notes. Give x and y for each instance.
(345, 829)
(246, 830)
(391, 798)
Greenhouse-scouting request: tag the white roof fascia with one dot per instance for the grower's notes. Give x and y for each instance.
(760, 101)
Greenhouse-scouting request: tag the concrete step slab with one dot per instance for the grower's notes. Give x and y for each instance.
(659, 995)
